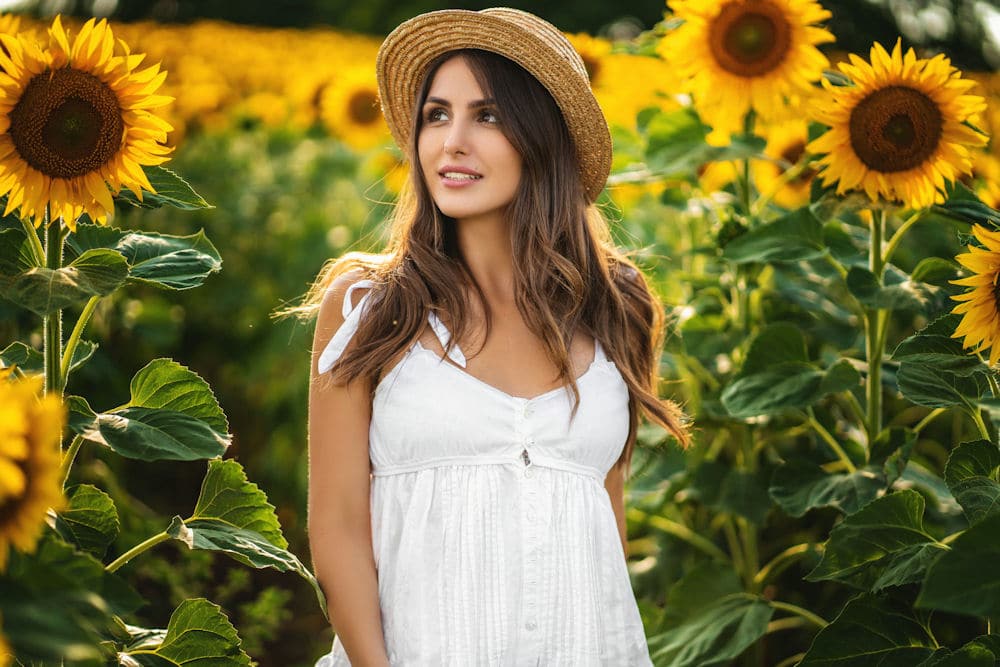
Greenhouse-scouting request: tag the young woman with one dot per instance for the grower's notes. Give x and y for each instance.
(476, 388)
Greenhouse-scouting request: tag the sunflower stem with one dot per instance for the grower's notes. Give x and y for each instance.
(928, 419)
(799, 611)
(898, 235)
(977, 417)
(874, 330)
(53, 321)
(68, 458)
(37, 251)
(831, 441)
(74, 337)
(136, 550)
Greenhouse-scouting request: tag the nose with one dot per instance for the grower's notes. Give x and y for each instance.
(455, 141)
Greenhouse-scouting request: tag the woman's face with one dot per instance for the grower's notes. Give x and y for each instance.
(471, 169)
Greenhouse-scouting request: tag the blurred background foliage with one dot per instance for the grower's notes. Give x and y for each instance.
(275, 128)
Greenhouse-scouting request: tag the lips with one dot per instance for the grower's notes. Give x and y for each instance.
(455, 174)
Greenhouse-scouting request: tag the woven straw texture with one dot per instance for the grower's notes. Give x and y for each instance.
(531, 42)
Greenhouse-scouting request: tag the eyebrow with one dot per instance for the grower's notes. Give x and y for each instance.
(475, 104)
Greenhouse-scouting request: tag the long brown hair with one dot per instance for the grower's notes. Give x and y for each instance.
(569, 275)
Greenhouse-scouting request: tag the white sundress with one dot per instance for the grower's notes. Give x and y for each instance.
(493, 535)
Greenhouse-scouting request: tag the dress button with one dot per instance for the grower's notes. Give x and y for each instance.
(530, 625)
(528, 472)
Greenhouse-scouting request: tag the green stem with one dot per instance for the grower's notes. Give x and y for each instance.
(799, 611)
(37, 251)
(74, 337)
(68, 458)
(928, 419)
(735, 548)
(53, 321)
(679, 531)
(751, 560)
(978, 418)
(778, 564)
(136, 550)
(898, 236)
(792, 660)
(830, 440)
(994, 388)
(786, 177)
(855, 405)
(874, 341)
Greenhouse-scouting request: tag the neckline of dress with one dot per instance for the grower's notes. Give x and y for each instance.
(597, 361)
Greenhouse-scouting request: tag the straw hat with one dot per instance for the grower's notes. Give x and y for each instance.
(532, 43)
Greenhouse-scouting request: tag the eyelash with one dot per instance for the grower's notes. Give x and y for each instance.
(432, 115)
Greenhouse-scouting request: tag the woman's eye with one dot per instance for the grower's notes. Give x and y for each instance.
(436, 114)
(489, 117)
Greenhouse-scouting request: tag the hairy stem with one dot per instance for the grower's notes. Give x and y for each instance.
(136, 550)
(52, 346)
(74, 337)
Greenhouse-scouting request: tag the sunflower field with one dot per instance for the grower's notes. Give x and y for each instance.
(821, 226)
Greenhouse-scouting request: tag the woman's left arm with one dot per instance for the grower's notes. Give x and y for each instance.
(614, 482)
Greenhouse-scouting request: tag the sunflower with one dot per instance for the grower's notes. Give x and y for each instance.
(30, 484)
(898, 131)
(349, 108)
(592, 52)
(75, 120)
(746, 54)
(786, 146)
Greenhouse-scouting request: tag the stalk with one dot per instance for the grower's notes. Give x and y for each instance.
(679, 531)
(53, 321)
(136, 550)
(799, 611)
(37, 251)
(874, 323)
(779, 563)
(74, 337)
(898, 235)
(68, 458)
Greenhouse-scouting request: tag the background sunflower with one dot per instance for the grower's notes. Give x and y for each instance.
(980, 307)
(76, 121)
(899, 132)
(746, 54)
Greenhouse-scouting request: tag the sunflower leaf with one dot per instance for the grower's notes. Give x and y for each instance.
(91, 520)
(972, 476)
(790, 238)
(966, 580)
(164, 383)
(31, 360)
(171, 190)
(43, 291)
(151, 434)
(871, 630)
(197, 633)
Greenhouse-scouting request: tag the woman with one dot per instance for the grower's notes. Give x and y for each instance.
(476, 388)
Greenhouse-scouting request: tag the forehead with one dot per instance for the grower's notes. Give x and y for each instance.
(454, 79)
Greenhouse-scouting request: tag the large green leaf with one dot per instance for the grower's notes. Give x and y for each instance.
(775, 344)
(966, 580)
(965, 206)
(43, 291)
(676, 144)
(90, 521)
(936, 371)
(164, 383)
(701, 587)
(784, 386)
(198, 634)
(228, 496)
(171, 190)
(791, 238)
(30, 360)
(871, 630)
(883, 544)
(717, 634)
(972, 476)
(153, 434)
(173, 262)
(799, 485)
(898, 292)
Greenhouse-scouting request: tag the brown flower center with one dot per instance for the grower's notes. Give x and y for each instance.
(895, 129)
(362, 108)
(792, 154)
(67, 123)
(750, 38)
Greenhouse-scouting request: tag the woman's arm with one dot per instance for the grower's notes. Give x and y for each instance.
(339, 514)
(614, 482)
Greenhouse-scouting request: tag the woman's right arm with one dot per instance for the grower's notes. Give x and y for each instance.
(339, 514)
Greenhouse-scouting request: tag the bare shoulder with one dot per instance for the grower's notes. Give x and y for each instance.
(331, 315)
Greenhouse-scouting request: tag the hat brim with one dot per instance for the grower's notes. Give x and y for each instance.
(407, 52)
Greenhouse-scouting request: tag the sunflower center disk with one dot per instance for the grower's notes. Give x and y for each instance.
(895, 129)
(67, 123)
(363, 107)
(750, 39)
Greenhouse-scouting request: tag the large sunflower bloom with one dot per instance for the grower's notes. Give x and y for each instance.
(349, 107)
(743, 54)
(898, 131)
(30, 483)
(75, 121)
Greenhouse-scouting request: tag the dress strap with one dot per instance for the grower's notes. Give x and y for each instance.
(599, 354)
(444, 336)
(352, 317)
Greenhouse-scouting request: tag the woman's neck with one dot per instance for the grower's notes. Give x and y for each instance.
(485, 246)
